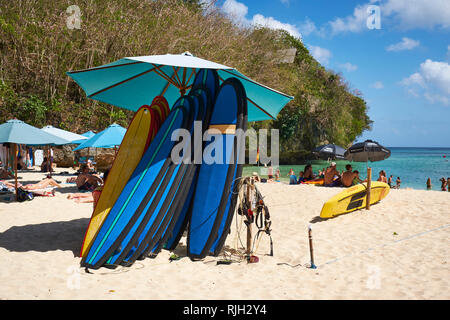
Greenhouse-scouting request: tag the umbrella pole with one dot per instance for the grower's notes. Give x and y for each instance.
(15, 169)
(369, 182)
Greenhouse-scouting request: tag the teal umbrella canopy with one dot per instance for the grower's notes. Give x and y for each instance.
(17, 131)
(132, 82)
(64, 134)
(108, 138)
(86, 136)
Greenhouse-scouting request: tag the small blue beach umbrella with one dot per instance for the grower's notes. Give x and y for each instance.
(132, 82)
(108, 138)
(87, 135)
(19, 132)
(66, 135)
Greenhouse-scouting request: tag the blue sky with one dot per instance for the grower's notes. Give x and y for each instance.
(401, 65)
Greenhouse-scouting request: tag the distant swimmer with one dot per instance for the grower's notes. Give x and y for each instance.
(398, 182)
(390, 181)
(443, 184)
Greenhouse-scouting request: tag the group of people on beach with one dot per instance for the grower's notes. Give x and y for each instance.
(333, 178)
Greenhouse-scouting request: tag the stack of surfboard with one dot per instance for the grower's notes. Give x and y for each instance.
(155, 190)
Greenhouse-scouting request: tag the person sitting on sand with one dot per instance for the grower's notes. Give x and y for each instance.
(330, 173)
(270, 173)
(45, 165)
(357, 179)
(5, 174)
(277, 175)
(348, 176)
(300, 177)
(87, 197)
(308, 173)
(292, 177)
(86, 181)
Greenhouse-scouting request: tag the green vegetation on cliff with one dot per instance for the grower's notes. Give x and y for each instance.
(37, 47)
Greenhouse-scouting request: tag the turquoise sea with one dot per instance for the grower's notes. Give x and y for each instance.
(413, 165)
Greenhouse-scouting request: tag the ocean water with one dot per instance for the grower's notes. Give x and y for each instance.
(413, 165)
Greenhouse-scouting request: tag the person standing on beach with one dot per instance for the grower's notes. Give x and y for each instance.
(390, 181)
(443, 184)
(429, 184)
(398, 183)
(448, 184)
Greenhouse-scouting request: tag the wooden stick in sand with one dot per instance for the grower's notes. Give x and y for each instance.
(369, 182)
(15, 169)
(249, 224)
(311, 253)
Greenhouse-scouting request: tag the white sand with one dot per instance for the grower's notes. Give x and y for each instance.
(358, 256)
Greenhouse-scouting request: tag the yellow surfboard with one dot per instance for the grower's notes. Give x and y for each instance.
(354, 198)
(136, 140)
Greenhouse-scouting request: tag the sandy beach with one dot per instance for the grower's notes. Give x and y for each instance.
(399, 249)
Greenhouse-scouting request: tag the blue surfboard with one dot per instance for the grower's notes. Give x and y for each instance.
(206, 83)
(153, 228)
(140, 191)
(156, 208)
(214, 200)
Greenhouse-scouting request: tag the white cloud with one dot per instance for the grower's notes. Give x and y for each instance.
(404, 14)
(354, 23)
(238, 11)
(433, 78)
(377, 85)
(405, 44)
(418, 14)
(436, 73)
(414, 79)
(348, 66)
(320, 54)
(271, 23)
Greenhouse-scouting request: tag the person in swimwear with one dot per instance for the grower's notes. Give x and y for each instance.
(429, 184)
(330, 173)
(270, 172)
(382, 176)
(45, 183)
(348, 176)
(398, 181)
(308, 173)
(390, 181)
(357, 179)
(86, 181)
